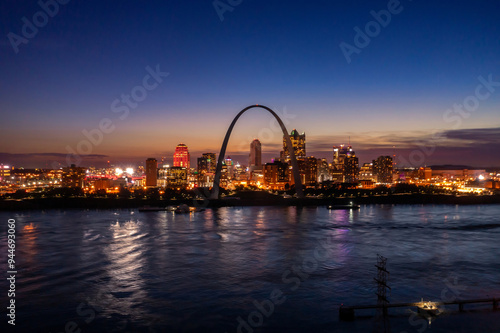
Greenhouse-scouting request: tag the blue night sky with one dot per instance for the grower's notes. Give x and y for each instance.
(400, 89)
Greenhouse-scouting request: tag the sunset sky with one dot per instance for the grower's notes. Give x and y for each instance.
(399, 90)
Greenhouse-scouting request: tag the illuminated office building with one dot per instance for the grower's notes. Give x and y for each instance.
(151, 172)
(276, 175)
(298, 144)
(345, 166)
(308, 168)
(382, 169)
(177, 177)
(206, 169)
(181, 156)
(228, 166)
(255, 157)
(323, 170)
(351, 169)
(4, 172)
(338, 164)
(73, 176)
(366, 172)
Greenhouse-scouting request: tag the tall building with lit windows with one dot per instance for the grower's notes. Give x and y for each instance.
(351, 169)
(382, 169)
(4, 172)
(366, 172)
(308, 168)
(206, 169)
(151, 172)
(255, 157)
(177, 177)
(73, 176)
(298, 144)
(345, 166)
(228, 167)
(276, 175)
(338, 165)
(207, 163)
(323, 170)
(181, 156)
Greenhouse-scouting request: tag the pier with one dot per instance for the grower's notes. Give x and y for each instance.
(347, 313)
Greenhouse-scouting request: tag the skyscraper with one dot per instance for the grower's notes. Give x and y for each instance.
(207, 163)
(276, 175)
(255, 157)
(338, 166)
(366, 172)
(382, 169)
(151, 172)
(345, 166)
(298, 143)
(323, 170)
(351, 170)
(181, 156)
(177, 177)
(308, 168)
(229, 167)
(206, 169)
(73, 176)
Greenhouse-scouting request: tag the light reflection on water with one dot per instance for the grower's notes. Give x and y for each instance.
(198, 272)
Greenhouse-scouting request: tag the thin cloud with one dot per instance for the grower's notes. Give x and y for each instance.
(475, 136)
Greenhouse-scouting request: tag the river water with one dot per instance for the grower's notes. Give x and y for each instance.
(251, 269)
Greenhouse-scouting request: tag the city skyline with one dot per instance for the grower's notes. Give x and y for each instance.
(62, 83)
(432, 154)
(247, 166)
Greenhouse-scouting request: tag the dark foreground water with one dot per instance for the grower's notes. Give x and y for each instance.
(254, 269)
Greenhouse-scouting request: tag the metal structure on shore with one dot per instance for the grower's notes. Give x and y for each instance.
(383, 324)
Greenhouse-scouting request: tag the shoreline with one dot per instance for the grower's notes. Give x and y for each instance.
(253, 200)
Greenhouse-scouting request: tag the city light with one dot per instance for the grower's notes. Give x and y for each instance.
(379, 172)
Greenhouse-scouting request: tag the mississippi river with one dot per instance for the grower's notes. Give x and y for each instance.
(252, 269)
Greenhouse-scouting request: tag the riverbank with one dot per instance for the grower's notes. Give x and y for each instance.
(244, 199)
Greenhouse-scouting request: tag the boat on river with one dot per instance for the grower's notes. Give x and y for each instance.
(350, 205)
(427, 308)
(152, 209)
(182, 209)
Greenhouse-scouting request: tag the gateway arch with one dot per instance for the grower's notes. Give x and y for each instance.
(295, 167)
